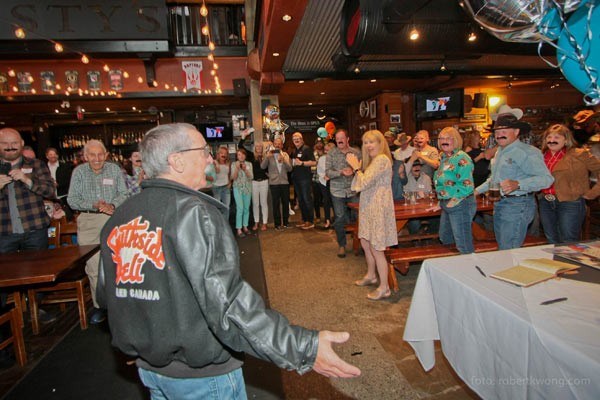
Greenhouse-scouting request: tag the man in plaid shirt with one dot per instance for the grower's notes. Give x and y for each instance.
(24, 183)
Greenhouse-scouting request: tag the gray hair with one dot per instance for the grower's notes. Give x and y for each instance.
(91, 143)
(159, 143)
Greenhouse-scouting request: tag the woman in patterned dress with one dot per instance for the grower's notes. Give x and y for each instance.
(377, 223)
(454, 187)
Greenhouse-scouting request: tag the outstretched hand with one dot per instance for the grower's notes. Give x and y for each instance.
(328, 363)
(434, 208)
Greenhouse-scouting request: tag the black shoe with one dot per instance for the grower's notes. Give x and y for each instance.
(45, 317)
(98, 316)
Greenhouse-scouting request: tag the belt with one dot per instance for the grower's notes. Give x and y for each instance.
(260, 180)
(518, 195)
(91, 212)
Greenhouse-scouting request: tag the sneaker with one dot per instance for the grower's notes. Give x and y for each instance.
(279, 228)
(301, 225)
(45, 317)
(308, 225)
(98, 316)
(292, 212)
(285, 226)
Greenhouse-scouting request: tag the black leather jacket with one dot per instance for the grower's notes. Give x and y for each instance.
(170, 279)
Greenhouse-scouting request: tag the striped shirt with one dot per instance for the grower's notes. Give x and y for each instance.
(87, 187)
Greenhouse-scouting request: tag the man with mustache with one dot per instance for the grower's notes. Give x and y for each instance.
(24, 183)
(426, 154)
(520, 171)
(96, 189)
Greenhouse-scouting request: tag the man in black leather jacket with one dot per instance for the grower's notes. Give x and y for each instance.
(170, 280)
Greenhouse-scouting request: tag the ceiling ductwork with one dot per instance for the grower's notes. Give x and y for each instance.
(383, 27)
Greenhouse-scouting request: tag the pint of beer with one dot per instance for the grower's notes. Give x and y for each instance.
(494, 192)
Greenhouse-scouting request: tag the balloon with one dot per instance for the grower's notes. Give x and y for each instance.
(330, 127)
(272, 112)
(578, 51)
(523, 21)
(322, 132)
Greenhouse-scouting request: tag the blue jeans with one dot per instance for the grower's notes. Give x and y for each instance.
(303, 190)
(562, 220)
(32, 240)
(223, 194)
(512, 215)
(242, 208)
(455, 224)
(222, 387)
(343, 216)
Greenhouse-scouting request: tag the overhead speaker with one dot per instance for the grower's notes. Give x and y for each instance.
(480, 100)
(239, 88)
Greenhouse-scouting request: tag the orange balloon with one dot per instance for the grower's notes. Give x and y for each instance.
(330, 127)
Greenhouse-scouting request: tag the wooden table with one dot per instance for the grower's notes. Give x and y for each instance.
(42, 266)
(406, 212)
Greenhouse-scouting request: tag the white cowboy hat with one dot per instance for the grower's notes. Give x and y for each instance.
(506, 109)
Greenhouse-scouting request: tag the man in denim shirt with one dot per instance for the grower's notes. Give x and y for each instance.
(520, 171)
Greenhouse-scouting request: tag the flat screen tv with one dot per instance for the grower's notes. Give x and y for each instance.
(216, 131)
(440, 104)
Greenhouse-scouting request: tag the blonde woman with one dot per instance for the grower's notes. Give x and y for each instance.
(222, 184)
(377, 223)
(260, 187)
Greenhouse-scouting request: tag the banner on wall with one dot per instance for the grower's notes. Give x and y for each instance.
(48, 81)
(93, 80)
(115, 77)
(192, 74)
(72, 78)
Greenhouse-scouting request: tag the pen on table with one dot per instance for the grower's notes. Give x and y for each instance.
(545, 303)
(481, 271)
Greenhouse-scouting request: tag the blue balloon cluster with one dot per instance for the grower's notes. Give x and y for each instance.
(578, 50)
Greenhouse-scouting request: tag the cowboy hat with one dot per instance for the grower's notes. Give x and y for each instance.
(506, 109)
(583, 116)
(510, 121)
(389, 134)
(401, 139)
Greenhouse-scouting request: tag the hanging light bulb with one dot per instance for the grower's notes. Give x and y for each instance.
(11, 73)
(106, 68)
(205, 31)
(213, 72)
(85, 59)
(472, 37)
(211, 46)
(215, 66)
(58, 47)
(125, 74)
(414, 34)
(20, 33)
(210, 57)
(203, 10)
(443, 66)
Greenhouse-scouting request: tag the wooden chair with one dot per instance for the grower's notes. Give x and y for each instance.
(69, 289)
(16, 337)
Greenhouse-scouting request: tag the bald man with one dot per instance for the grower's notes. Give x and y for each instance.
(24, 183)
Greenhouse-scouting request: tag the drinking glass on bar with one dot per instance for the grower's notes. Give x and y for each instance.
(494, 192)
(431, 197)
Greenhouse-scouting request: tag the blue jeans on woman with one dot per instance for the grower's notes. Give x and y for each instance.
(222, 387)
(455, 224)
(562, 220)
(223, 194)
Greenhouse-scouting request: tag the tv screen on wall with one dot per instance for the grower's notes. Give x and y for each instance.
(216, 131)
(440, 104)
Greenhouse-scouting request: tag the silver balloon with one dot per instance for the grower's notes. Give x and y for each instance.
(523, 21)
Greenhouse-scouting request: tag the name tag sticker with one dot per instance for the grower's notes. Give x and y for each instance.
(107, 181)
(27, 170)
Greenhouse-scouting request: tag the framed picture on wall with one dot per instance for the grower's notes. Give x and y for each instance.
(395, 118)
(373, 109)
(372, 126)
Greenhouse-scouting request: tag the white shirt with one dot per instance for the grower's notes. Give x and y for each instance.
(402, 155)
(53, 168)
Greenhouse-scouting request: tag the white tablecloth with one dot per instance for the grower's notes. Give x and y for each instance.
(497, 336)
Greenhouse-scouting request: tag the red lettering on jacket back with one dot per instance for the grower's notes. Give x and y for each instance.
(132, 245)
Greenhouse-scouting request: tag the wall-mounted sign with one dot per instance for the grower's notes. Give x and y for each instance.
(115, 77)
(93, 80)
(24, 80)
(72, 78)
(86, 19)
(304, 126)
(192, 74)
(48, 81)
(473, 117)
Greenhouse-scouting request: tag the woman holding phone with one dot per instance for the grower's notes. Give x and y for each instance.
(241, 175)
